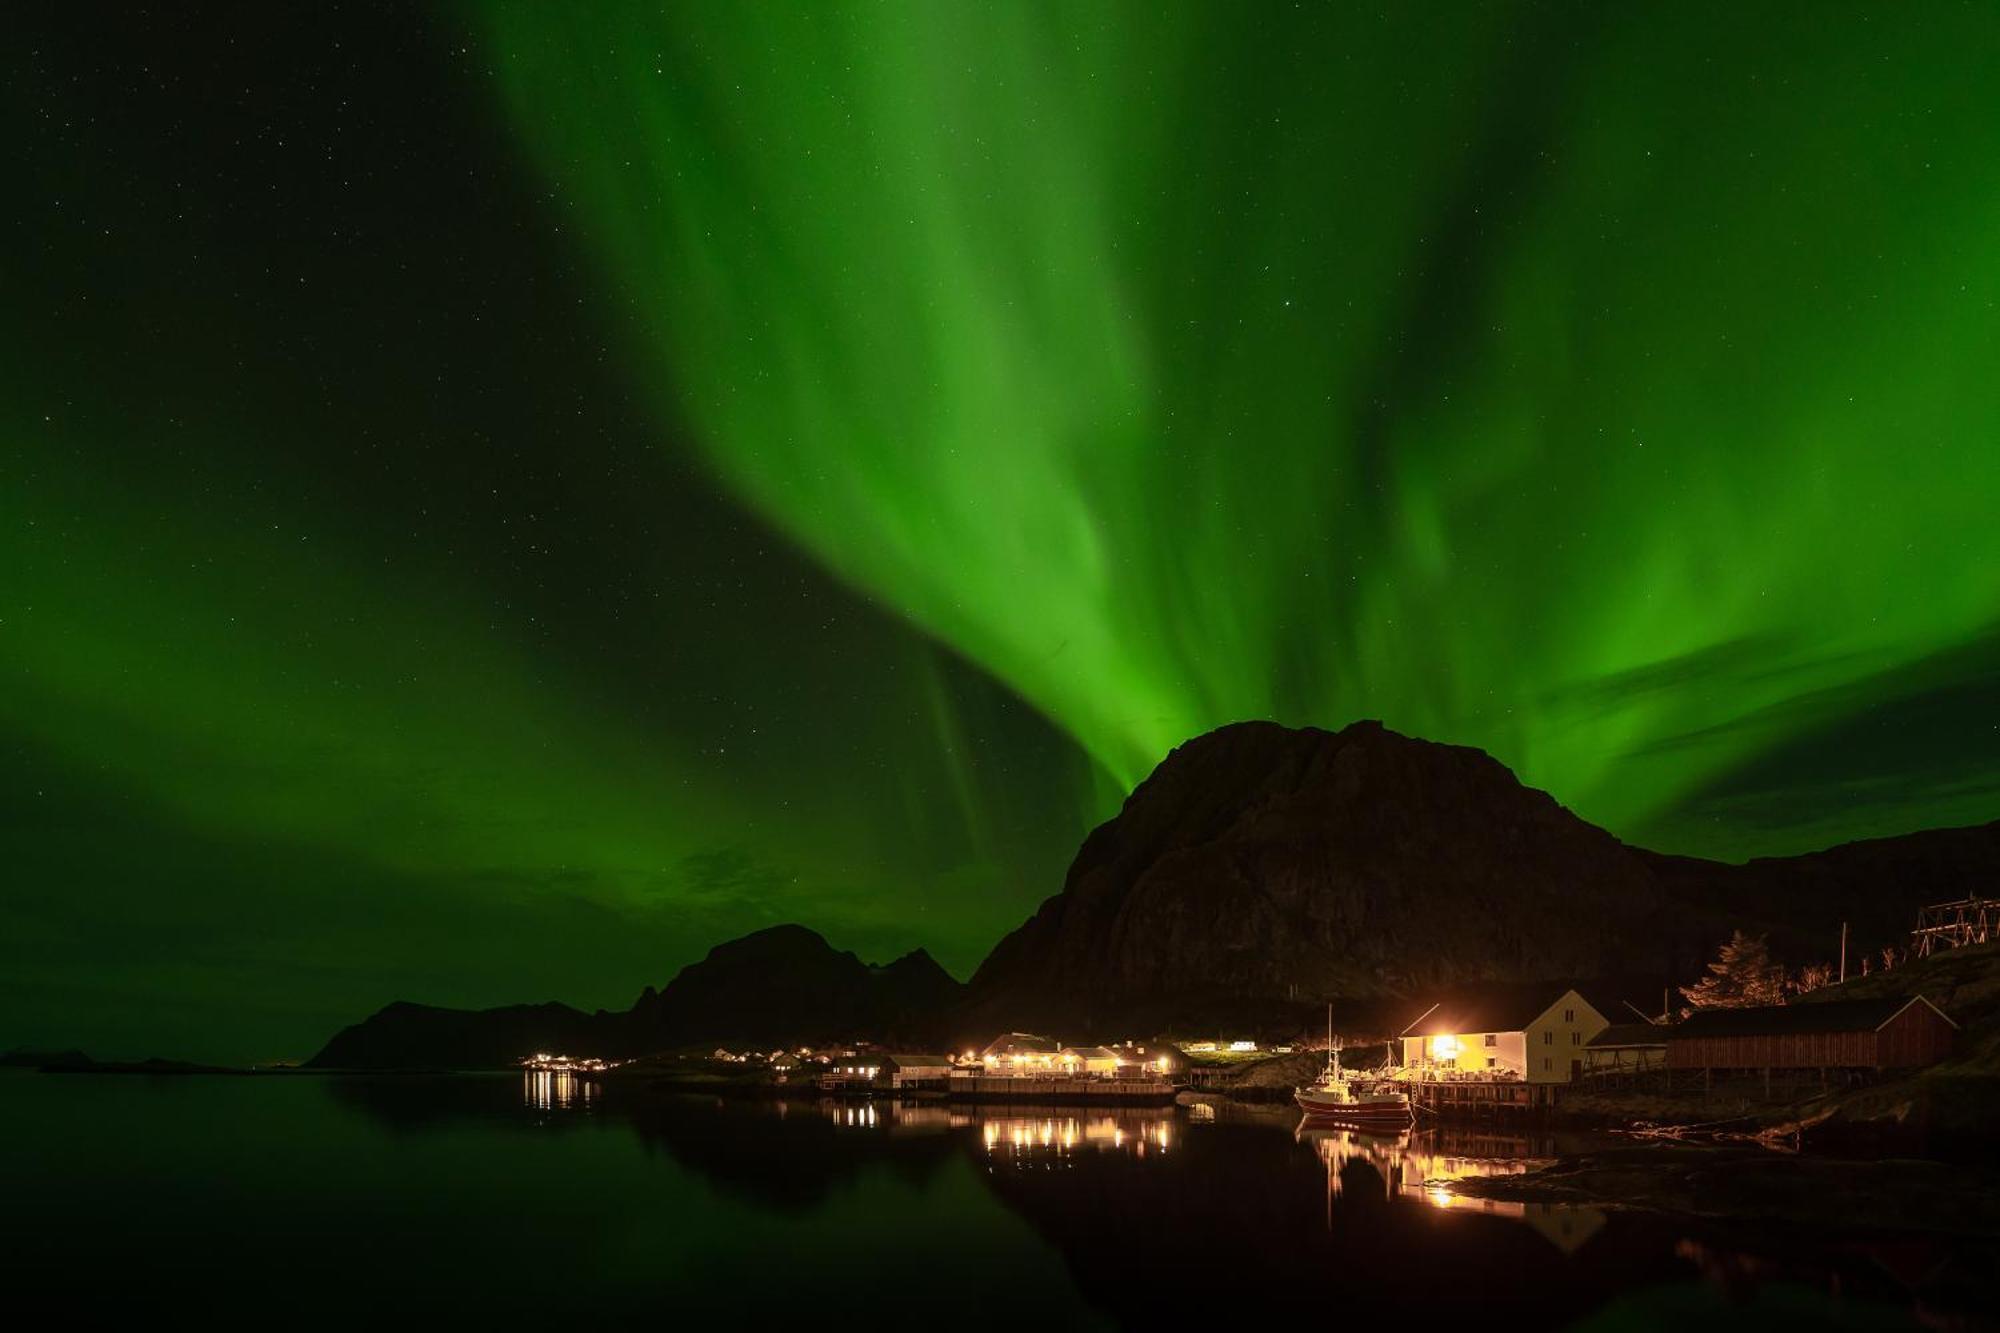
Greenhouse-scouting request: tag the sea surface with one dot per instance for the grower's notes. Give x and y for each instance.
(361, 1202)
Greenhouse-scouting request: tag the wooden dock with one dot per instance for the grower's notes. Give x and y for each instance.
(1062, 1091)
(1483, 1099)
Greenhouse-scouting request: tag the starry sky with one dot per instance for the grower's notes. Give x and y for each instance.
(499, 497)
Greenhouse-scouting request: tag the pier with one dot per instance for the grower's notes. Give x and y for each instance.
(1061, 1091)
(1482, 1099)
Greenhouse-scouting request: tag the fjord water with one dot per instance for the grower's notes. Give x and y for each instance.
(358, 1201)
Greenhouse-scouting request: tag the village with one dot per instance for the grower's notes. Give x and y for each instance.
(1747, 1032)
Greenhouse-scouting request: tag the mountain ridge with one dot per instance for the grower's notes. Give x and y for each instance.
(772, 987)
(1256, 873)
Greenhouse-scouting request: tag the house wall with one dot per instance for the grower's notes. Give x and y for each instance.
(938, 1075)
(1915, 1037)
(1506, 1053)
(1541, 1054)
(1797, 1050)
(1555, 1041)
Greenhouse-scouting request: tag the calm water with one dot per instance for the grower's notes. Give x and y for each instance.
(323, 1201)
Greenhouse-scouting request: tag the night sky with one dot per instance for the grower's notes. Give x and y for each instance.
(494, 500)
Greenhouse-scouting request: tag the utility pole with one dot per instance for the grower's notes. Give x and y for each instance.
(1843, 951)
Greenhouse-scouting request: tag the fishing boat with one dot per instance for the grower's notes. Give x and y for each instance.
(1338, 1096)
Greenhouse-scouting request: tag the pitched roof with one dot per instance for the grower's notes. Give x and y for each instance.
(1631, 1034)
(1493, 1007)
(1026, 1043)
(910, 1061)
(1092, 1052)
(1793, 1019)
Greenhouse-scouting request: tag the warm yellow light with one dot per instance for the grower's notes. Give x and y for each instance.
(1445, 1048)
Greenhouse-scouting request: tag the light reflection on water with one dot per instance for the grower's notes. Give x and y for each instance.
(1010, 1132)
(1412, 1168)
(1419, 1167)
(1025, 1139)
(556, 1090)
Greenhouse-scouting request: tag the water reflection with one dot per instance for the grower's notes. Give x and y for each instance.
(556, 1090)
(1006, 1131)
(1254, 1193)
(1419, 1167)
(1026, 1140)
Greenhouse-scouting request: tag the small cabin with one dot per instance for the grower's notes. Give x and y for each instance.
(886, 1070)
(914, 1070)
(1533, 1032)
(1895, 1032)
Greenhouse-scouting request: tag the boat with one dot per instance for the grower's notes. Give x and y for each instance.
(1336, 1096)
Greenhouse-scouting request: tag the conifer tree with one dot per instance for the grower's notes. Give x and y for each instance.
(1742, 975)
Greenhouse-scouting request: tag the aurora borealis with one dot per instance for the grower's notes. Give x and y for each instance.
(496, 501)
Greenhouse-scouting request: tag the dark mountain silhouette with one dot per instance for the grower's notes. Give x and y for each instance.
(1259, 872)
(421, 1036)
(1259, 867)
(787, 984)
(773, 987)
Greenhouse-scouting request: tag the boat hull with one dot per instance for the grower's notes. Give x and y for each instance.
(1383, 1111)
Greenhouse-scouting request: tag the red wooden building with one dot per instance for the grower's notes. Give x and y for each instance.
(1893, 1033)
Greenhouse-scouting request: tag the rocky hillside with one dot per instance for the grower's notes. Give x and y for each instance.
(1260, 868)
(774, 987)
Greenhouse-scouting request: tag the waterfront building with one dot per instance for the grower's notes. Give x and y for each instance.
(1099, 1061)
(1534, 1032)
(887, 1071)
(1021, 1053)
(1896, 1032)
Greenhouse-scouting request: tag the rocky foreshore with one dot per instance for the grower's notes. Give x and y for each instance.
(1758, 1184)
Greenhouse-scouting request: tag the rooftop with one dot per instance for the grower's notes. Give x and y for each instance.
(1021, 1043)
(1631, 1034)
(1492, 1007)
(1793, 1019)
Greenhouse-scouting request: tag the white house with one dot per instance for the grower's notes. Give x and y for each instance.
(1535, 1032)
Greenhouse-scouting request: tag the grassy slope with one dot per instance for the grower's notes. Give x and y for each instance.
(1961, 1095)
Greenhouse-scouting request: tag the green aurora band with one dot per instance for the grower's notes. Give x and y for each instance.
(1609, 387)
